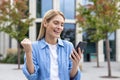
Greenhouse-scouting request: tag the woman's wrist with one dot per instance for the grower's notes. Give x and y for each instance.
(73, 71)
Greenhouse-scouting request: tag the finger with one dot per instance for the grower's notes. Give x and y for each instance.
(26, 41)
(73, 56)
(76, 55)
(79, 52)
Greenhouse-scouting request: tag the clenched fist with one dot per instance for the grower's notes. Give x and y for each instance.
(27, 45)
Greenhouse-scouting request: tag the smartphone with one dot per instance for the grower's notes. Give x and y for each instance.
(82, 46)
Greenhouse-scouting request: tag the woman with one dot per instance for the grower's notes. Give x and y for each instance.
(49, 58)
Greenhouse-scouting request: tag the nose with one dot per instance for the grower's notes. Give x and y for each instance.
(60, 26)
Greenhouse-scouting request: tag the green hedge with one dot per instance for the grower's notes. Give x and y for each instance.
(13, 58)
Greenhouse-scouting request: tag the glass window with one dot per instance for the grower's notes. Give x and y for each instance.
(112, 47)
(90, 49)
(42, 7)
(68, 8)
(38, 9)
(46, 5)
(112, 36)
(69, 32)
(37, 29)
(85, 2)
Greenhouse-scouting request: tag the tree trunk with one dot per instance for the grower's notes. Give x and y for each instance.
(18, 54)
(108, 56)
(97, 54)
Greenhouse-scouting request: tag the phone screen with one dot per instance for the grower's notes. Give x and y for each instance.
(82, 46)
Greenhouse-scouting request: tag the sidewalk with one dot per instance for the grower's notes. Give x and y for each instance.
(10, 72)
(89, 72)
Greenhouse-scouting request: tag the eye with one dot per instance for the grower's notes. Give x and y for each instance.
(56, 22)
(62, 25)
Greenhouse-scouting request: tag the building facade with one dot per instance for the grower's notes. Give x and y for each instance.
(37, 8)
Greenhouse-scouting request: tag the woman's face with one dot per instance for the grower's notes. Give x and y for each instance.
(54, 27)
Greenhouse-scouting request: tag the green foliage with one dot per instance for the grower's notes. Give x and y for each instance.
(99, 19)
(13, 58)
(14, 20)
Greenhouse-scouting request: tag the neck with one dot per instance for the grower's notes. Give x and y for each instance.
(51, 40)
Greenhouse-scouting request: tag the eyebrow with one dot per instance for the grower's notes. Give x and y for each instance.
(58, 21)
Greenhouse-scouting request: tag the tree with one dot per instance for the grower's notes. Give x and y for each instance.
(87, 20)
(15, 20)
(100, 19)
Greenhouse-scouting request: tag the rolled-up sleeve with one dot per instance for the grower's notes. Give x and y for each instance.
(77, 76)
(29, 76)
(33, 76)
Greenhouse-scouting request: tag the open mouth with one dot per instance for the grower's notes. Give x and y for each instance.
(57, 32)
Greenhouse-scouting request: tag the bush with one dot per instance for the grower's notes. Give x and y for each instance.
(0, 55)
(13, 58)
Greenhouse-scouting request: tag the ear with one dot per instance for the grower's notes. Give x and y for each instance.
(45, 23)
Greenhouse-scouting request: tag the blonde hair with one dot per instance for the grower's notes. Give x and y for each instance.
(47, 17)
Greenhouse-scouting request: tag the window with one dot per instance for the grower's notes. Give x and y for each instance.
(69, 32)
(68, 8)
(38, 9)
(112, 47)
(37, 29)
(43, 6)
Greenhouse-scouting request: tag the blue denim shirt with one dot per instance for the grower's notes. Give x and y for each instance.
(41, 60)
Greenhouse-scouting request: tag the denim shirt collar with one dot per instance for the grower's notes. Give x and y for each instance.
(43, 43)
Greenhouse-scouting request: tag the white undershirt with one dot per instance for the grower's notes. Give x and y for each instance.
(54, 64)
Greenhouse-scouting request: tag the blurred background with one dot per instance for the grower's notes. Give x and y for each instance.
(22, 18)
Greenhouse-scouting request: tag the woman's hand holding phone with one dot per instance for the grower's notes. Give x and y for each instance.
(76, 56)
(81, 46)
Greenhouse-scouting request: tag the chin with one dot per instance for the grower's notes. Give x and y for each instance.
(57, 36)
